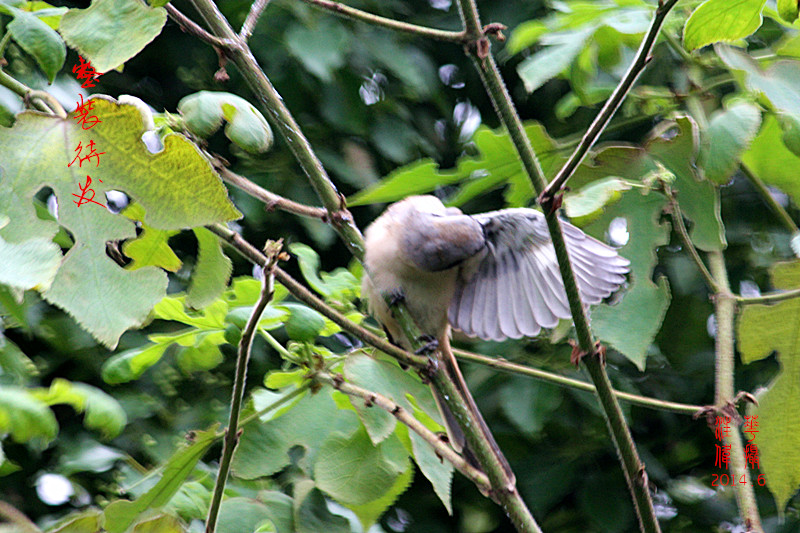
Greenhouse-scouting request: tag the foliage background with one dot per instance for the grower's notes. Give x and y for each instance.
(371, 101)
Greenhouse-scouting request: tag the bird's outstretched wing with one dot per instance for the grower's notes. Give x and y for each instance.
(516, 289)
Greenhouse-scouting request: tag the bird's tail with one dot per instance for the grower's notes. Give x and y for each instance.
(454, 431)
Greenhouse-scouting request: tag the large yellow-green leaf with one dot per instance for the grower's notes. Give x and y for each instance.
(762, 329)
(770, 159)
(176, 187)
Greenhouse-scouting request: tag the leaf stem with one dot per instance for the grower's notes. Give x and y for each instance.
(680, 228)
(41, 100)
(348, 12)
(338, 382)
(543, 375)
(725, 311)
(600, 122)
(272, 250)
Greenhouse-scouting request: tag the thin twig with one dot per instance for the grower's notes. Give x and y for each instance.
(272, 251)
(249, 25)
(763, 191)
(442, 450)
(680, 228)
(376, 20)
(612, 104)
(769, 298)
(24, 91)
(725, 312)
(270, 199)
(550, 377)
(301, 293)
(193, 28)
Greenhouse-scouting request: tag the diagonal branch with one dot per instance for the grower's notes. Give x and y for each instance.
(612, 104)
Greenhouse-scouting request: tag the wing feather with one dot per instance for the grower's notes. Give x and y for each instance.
(516, 288)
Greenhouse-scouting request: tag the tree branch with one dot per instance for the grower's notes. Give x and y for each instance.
(249, 25)
(633, 468)
(612, 104)
(348, 12)
(725, 311)
(272, 251)
(270, 199)
(192, 28)
(442, 450)
(273, 106)
(550, 377)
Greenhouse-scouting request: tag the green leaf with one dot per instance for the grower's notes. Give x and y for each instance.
(151, 247)
(211, 273)
(237, 515)
(30, 264)
(110, 32)
(203, 355)
(304, 323)
(204, 113)
(587, 204)
(385, 377)
(338, 284)
(788, 10)
(120, 514)
(177, 188)
(103, 412)
(497, 165)
(264, 448)
(369, 513)
(90, 521)
(554, 59)
(14, 364)
(24, 416)
(529, 404)
(130, 364)
(676, 148)
(762, 330)
(321, 49)
(353, 471)
(790, 124)
(722, 20)
(159, 524)
(438, 472)
(770, 160)
(39, 40)
(729, 133)
(311, 513)
(780, 83)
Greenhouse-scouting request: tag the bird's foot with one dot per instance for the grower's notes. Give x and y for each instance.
(430, 346)
(396, 296)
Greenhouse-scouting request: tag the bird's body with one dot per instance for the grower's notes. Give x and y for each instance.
(493, 275)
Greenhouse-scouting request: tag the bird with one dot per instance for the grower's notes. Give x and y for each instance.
(493, 275)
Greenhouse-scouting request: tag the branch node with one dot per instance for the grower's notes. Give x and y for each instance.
(495, 29)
